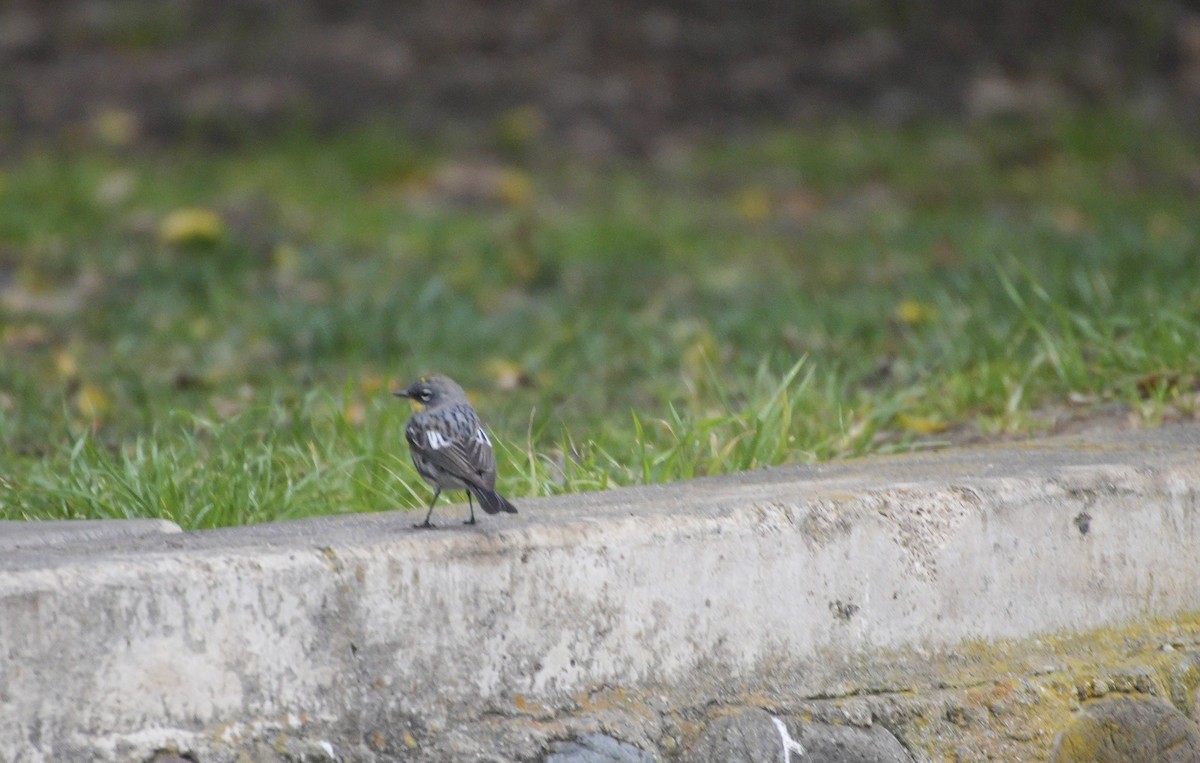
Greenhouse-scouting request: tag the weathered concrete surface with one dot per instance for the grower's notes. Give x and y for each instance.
(966, 602)
(1124, 730)
(86, 532)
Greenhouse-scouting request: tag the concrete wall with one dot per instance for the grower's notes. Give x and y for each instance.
(893, 587)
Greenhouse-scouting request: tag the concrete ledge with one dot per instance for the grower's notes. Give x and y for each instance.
(640, 613)
(80, 532)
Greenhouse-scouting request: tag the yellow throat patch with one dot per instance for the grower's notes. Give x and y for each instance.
(416, 405)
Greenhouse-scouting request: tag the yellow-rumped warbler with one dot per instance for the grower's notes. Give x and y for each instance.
(449, 447)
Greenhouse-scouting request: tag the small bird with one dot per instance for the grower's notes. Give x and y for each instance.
(449, 446)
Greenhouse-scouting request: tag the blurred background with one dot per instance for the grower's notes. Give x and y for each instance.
(654, 241)
(595, 78)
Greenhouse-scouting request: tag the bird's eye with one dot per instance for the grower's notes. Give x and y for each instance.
(424, 396)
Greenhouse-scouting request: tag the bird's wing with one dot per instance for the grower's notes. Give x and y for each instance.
(470, 459)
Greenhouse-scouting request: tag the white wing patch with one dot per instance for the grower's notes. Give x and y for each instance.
(436, 440)
(482, 437)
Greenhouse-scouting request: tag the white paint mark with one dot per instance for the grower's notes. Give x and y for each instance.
(789, 745)
(435, 439)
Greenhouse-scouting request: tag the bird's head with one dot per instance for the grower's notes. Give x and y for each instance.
(431, 392)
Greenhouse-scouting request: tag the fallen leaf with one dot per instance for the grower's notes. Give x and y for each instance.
(354, 414)
(65, 365)
(372, 384)
(911, 312)
(192, 227)
(116, 127)
(506, 374)
(920, 424)
(753, 204)
(201, 327)
(286, 259)
(91, 401)
(515, 188)
(517, 127)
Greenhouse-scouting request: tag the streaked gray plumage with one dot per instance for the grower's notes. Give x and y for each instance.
(449, 446)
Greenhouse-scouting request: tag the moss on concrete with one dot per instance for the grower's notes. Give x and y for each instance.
(1003, 700)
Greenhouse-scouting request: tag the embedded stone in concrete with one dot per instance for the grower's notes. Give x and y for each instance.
(1129, 730)
(76, 532)
(752, 736)
(598, 748)
(827, 743)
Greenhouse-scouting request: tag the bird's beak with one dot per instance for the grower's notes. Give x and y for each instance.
(413, 403)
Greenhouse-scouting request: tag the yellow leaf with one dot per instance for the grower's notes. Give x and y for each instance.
(912, 312)
(91, 401)
(201, 327)
(518, 126)
(65, 365)
(920, 424)
(285, 258)
(753, 204)
(505, 374)
(192, 226)
(371, 384)
(514, 188)
(354, 414)
(116, 127)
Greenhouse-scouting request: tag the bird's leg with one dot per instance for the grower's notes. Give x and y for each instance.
(470, 503)
(426, 524)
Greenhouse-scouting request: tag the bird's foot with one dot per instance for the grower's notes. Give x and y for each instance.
(425, 525)
(470, 521)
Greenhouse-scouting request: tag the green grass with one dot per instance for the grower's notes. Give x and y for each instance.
(799, 296)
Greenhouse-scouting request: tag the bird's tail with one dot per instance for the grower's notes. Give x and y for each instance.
(493, 503)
